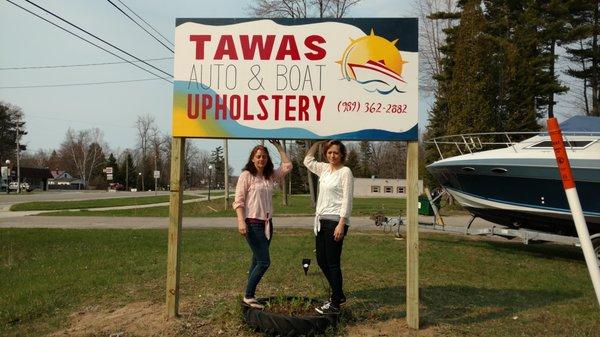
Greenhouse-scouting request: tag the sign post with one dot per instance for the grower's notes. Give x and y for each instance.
(175, 217)
(345, 79)
(156, 177)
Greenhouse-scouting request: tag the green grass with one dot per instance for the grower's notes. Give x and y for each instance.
(298, 205)
(467, 287)
(94, 203)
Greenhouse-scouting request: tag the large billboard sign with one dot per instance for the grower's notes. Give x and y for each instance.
(351, 79)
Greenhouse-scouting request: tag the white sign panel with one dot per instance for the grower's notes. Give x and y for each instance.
(348, 79)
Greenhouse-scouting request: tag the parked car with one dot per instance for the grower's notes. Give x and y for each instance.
(116, 186)
(24, 186)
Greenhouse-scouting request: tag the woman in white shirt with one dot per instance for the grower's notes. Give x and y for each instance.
(334, 205)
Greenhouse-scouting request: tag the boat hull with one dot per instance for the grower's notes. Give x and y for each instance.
(521, 194)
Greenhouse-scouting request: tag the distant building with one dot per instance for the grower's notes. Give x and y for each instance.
(37, 178)
(377, 187)
(62, 180)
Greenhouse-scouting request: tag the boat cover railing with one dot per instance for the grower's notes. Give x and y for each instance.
(474, 142)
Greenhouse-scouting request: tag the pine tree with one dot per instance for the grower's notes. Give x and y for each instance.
(10, 117)
(218, 162)
(352, 160)
(497, 70)
(298, 181)
(366, 160)
(584, 51)
(128, 171)
(117, 176)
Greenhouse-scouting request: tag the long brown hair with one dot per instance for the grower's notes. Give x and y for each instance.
(267, 171)
(339, 144)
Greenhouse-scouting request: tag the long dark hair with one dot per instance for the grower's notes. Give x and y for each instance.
(267, 171)
(339, 144)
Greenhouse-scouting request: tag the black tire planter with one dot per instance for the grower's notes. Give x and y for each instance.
(289, 326)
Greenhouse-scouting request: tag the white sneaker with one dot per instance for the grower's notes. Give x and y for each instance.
(253, 303)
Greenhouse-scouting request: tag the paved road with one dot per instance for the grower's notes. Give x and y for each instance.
(20, 221)
(6, 200)
(27, 220)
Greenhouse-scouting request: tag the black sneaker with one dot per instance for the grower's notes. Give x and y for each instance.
(342, 300)
(328, 309)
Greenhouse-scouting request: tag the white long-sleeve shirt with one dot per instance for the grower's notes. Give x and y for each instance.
(335, 190)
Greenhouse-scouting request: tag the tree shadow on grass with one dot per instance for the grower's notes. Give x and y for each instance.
(454, 304)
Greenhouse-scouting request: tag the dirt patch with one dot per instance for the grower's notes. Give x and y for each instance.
(393, 327)
(134, 319)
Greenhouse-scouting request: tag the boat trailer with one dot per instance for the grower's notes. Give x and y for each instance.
(525, 235)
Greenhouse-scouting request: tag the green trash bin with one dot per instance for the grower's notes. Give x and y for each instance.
(424, 206)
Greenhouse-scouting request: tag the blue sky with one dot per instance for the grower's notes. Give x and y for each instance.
(49, 112)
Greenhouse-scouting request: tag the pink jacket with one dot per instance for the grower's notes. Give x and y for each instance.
(255, 194)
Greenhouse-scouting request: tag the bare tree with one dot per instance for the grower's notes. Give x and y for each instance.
(38, 159)
(431, 38)
(300, 8)
(145, 126)
(279, 8)
(84, 149)
(197, 162)
(390, 158)
(338, 8)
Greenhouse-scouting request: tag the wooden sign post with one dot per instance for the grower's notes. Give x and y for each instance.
(412, 235)
(175, 218)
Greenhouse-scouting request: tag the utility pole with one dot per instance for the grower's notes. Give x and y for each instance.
(127, 171)
(226, 150)
(155, 177)
(18, 155)
(284, 186)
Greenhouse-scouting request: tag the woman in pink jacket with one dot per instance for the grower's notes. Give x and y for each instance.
(254, 208)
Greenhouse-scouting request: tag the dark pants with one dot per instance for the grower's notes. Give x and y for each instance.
(261, 260)
(329, 253)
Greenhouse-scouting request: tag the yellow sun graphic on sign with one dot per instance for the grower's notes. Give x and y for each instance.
(371, 53)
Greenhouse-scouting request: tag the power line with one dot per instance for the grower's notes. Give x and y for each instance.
(77, 121)
(88, 41)
(149, 25)
(77, 84)
(106, 42)
(130, 18)
(80, 65)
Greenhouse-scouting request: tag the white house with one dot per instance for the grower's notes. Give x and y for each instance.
(62, 180)
(378, 187)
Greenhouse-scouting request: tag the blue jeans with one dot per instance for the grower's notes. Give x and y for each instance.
(261, 260)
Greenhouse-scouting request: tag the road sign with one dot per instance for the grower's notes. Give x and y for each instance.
(109, 176)
(108, 170)
(156, 174)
